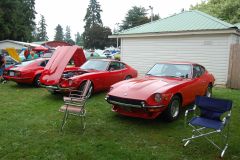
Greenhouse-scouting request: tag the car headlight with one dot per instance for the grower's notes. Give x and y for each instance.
(157, 97)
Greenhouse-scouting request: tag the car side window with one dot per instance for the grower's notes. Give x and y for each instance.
(197, 71)
(122, 66)
(202, 70)
(114, 66)
(44, 63)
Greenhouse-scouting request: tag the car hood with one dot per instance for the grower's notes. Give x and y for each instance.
(58, 62)
(142, 88)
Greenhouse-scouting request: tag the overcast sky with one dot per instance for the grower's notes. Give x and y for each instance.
(72, 12)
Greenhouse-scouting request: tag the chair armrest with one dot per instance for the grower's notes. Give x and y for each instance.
(190, 110)
(226, 119)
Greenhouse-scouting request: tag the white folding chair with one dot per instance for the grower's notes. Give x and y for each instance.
(74, 104)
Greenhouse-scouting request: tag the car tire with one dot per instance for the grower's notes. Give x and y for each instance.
(173, 109)
(209, 91)
(128, 77)
(36, 81)
(90, 91)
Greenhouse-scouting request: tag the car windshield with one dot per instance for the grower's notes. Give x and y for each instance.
(171, 70)
(95, 65)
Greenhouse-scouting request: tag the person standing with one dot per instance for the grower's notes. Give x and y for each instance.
(2, 66)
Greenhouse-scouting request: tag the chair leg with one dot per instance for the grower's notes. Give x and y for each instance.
(83, 122)
(224, 150)
(64, 120)
(185, 144)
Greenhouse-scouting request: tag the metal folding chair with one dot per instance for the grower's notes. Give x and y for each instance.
(214, 118)
(74, 104)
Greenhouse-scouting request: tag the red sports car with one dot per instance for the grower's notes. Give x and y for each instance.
(102, 73)
(165, 88)
(27, 72)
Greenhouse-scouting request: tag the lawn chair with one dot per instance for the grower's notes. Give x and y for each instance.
(210, 120)
(74, 104)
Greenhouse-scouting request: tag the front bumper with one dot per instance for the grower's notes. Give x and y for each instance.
(136, 110)
(27, 80)
(56, 88)
(131, 105)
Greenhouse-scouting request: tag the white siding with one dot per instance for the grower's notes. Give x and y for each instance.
(4, 45)
(212, 51)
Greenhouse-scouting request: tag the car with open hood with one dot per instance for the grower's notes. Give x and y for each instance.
(101, 72)
(164, 89)
(29, 72)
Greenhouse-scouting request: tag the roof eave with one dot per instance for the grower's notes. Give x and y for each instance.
(194, 32)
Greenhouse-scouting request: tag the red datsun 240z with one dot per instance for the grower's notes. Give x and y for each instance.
(164, 89)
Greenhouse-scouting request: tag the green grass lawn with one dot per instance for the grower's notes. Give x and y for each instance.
(30, 129)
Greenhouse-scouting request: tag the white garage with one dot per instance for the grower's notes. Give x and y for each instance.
(189, 36)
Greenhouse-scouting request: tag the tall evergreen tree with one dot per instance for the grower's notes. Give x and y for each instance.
(42, 30)
(67, 37)
(17, 19)
(59, 33)
(93, 15)
(67, 34)
(79, 39)
(93, 20)
(135, 17)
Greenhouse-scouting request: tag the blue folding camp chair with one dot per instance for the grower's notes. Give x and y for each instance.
(214, 118)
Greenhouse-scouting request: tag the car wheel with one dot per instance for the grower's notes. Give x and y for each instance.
(173, 109)
(128, 77)
(209, 91)
(90, 91)
(36, 81)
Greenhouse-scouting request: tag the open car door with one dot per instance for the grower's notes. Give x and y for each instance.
(58, 62)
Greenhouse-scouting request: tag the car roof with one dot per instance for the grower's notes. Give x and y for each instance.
(108, 60)
(181, 62)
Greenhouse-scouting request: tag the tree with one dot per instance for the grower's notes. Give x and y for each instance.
(93, 25)
(17, 19)
(42, 30)
(226, 10)
(135, 17)
(93, 15)
(97, 37)
(59, 33)
(79, 39)
(67, 37)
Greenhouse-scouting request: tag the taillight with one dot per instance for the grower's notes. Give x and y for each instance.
(17, 74)
(5, 72)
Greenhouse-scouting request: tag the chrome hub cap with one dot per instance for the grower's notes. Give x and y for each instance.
(175, 108)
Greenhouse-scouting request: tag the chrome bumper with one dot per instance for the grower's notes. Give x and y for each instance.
(55, 88)
(131, 105)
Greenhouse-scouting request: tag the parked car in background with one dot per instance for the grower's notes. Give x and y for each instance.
(94, 54)
(27, 72)
(165, 89)
(10, 62)
(101, 72)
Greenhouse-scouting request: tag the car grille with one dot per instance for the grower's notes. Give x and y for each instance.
(125, 100)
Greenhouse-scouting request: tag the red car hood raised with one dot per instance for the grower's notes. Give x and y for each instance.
(143, 88)
(58, 62)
